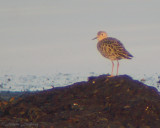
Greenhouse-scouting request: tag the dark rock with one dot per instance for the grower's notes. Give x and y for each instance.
(114, 102)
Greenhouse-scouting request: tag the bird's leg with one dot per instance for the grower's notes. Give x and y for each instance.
(117, 66)
(112, 68)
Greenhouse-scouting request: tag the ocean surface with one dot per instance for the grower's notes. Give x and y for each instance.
(42, 82)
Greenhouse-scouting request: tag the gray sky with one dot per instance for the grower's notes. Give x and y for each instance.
(48, 36)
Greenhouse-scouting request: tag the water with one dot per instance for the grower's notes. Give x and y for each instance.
(43, 82)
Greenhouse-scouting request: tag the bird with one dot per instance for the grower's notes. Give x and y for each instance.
(112, 49)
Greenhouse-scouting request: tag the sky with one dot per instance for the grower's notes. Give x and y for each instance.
(50, 36)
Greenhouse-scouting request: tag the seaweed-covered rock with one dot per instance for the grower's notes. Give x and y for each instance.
(113, 102)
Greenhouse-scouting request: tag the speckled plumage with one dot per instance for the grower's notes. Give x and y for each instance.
(111, 48)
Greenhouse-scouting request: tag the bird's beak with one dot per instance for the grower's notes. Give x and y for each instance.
(94, 38)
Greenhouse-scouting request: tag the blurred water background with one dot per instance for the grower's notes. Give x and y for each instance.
(37, 83)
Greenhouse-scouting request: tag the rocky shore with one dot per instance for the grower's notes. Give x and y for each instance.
(101, 102)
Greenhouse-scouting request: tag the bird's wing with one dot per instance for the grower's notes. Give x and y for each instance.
(118, 48)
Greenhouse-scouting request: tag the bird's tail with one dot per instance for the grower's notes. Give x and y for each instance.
(129, 56)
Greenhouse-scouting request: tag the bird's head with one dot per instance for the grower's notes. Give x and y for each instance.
(101, 35)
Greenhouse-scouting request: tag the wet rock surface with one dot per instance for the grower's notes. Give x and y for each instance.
(101, 102)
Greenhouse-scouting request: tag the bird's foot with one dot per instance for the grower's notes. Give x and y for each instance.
(111, 76)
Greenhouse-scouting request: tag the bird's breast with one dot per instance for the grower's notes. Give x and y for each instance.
(104, 49)
(107, 50)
